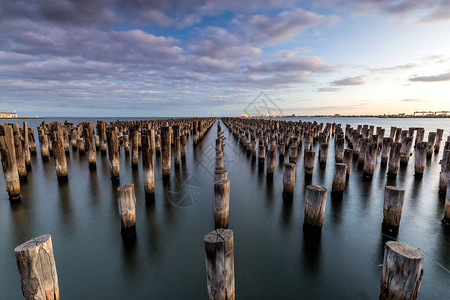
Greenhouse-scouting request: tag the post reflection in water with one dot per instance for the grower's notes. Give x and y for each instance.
(311, 251)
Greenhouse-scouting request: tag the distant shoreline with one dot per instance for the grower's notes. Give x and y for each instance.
(6, 118)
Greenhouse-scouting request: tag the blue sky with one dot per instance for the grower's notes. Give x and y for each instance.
(202, 57)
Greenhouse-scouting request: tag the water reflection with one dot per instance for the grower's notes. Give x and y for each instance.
(94, 188)
(21, 220)
(336, 208)
(311, 250)
(286, 213)
(153, 228)
(130, 253)
(65, 205)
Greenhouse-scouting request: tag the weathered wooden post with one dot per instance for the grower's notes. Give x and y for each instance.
(90, 146)
(340, 176)
(219, 163)
(37, 269)
(444, 176)
(166, 132)
(32, 141)
(271, 160)
(406, 150)
(43, 143)
(339, 149)
(254, 146)
(288, 180)
(26, 146)
(195, 133)
(431, 141)
(380, 133)
(101, 132)
(309, 162)
(183, 142)
(281, 151)
(385, 150)
(420, 157)
(362, 154)
(220, 175)
(134, 148)
(392, 208)
(9, 162)
(348, 159)
(420, 135)
(293, 153)
(20, 157)
(126, 144)
(158, 144)
(113, 153)
(73, 138)
(81, 146)
(394, 159)
(219, 249)
(439, 135)
(127, 209)
(370, 159)
(315, 202)
(148, 158)
(59, 154)
(176, 145)
(323, 154)
(402, 272)
(446, 220)
(97, 142)
(261, 155)
(221, 202)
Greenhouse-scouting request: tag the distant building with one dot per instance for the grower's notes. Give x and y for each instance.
(8, 114)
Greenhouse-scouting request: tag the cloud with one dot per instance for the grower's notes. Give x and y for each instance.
(394, 68)
(435, 78)
(348, 81)
(311, 64)
(439, 13)
(219, 43)
(281, 28)
(397, 7)
(133, 46)
(329, 89)
(414, 100)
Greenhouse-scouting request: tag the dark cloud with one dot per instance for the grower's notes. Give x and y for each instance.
(282, 27)
(219, 43)
(435, 78)
(293, 64)
(137, 46)
(182, 13)
(349, 81)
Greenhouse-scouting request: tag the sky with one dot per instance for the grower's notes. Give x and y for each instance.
(137, 58)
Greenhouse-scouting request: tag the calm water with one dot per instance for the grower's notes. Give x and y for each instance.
(273, 258)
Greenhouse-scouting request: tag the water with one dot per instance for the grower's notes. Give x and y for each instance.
(273, 258)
